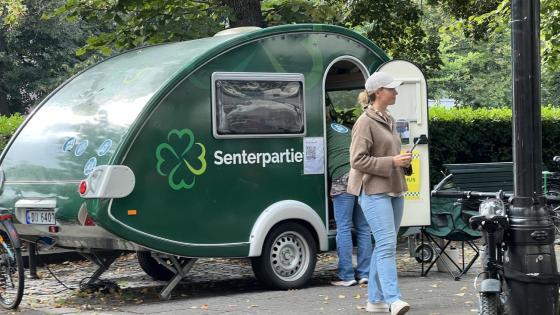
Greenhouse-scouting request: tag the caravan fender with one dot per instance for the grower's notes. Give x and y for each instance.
(282, 211)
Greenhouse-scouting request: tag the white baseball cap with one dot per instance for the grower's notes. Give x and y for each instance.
(380, 80)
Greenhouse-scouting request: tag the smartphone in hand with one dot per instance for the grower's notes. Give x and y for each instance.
(415, 143)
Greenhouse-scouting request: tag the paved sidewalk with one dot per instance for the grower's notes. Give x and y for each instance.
(216, 286)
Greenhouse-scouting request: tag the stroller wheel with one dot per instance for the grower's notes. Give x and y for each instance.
(424, 253)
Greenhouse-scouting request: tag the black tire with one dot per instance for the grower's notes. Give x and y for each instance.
(489, 304)
(11, 274)
(288, 257)
(424, 253)
(154, 269)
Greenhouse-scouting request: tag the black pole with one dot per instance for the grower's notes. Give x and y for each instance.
(530, 261)
(32, 260)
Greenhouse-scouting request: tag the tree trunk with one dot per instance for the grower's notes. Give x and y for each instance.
(245, 12)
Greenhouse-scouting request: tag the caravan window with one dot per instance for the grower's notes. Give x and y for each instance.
(258, 104)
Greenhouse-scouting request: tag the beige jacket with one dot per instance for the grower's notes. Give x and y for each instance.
(374, 143)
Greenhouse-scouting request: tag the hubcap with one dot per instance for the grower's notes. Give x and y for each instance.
(289, 256)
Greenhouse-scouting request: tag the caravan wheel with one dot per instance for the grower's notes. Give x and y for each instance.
(288, 257)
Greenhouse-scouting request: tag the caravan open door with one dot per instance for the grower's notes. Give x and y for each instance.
(411, 115)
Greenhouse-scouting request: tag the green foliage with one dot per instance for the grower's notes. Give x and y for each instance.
(395, 26)
(478, 19)
(278, 12)
(550, 33)
(11, 12)
(36, 55)
(472, 72)
(8, 125)
(347, 116)
(550, 93)
(132, 23)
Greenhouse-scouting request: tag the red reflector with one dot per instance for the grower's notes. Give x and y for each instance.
(89, 221)
(83, 187)
(54, 229)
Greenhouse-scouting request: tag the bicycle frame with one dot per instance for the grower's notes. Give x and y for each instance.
(8, 226)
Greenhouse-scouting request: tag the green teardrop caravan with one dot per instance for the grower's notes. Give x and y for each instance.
(205, 148)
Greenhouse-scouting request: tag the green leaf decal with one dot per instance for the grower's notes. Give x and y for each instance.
(173, 160)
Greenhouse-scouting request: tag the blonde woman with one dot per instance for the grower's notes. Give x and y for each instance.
(377, 177)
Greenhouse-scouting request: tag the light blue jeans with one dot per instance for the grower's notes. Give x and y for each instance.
(383, 214)
(347, 213)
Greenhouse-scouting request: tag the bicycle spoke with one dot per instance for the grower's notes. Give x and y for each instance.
(11, 274)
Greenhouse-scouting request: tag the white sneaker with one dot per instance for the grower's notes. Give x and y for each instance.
(380, 307)
(363, 281)
(399, 307)
(343, 283)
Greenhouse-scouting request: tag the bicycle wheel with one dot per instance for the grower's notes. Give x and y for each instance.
(11, 273)
(488, 304)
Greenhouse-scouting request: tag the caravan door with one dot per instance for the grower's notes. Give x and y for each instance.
(411, 115)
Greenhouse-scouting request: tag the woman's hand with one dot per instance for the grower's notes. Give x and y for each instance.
(402, 160)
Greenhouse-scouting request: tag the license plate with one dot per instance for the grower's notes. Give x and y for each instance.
(40, 217)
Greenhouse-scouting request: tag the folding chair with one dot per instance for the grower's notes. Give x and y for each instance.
(449, 224)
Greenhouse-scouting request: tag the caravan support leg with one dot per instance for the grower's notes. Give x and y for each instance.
(180, 272)
(103, 262)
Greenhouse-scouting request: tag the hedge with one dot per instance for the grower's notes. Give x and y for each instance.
(8, 125)
(466, 135)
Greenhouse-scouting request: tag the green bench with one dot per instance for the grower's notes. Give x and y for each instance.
(486, 177)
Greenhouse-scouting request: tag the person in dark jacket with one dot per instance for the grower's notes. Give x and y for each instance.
(347, 212)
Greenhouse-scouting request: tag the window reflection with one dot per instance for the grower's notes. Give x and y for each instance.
(259, 107)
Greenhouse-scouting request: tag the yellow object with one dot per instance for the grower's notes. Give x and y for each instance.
(413, 181)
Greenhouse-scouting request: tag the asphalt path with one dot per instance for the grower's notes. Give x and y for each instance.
(218, 286)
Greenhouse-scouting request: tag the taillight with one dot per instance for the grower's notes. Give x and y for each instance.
(89, 221)
(54, 229)
(82, 189)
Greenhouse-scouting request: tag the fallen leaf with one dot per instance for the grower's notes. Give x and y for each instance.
(435, 285)
(204, 306)
(463, 289)
(358, 296)
(361, 307)
(460, 294)
(253, 305)
(341, 296)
